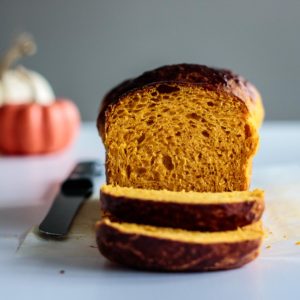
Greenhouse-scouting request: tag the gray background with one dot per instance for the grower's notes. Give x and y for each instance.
(86, 47)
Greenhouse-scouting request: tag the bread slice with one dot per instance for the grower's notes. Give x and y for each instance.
(165, 249)
(181, 127)
(186, 210)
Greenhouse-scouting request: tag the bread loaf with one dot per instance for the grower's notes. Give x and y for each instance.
(186, 210)
(181, 127)
(165, 249)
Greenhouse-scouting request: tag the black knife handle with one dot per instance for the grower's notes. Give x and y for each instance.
(80, 180)
(74, 191)
(77, 187)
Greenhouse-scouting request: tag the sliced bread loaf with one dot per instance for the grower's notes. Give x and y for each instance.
(165, 249)
(186, 210)
(181, 127)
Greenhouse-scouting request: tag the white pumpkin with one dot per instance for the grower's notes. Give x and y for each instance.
(21, 85)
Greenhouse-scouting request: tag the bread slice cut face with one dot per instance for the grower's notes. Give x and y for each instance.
(166, 249)
(186, 210)
(180, 136)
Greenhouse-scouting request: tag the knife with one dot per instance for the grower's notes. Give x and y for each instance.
(73, 192)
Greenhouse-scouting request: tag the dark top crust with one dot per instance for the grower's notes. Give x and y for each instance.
(219, 80)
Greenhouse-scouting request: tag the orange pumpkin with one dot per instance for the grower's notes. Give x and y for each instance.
(34, 128)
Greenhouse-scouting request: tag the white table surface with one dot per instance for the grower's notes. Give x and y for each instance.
(27, 187)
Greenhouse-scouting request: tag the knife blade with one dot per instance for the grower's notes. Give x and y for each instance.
(73, 192)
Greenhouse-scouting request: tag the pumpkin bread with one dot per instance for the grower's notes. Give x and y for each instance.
(179, 145)
(181, 127)
(186, 210)
(165, 249)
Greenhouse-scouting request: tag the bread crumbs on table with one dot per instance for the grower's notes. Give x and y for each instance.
(268, 247)
(297, 243)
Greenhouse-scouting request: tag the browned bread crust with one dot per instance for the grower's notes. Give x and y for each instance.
(211, 79)
(205, 216)
(152, 253)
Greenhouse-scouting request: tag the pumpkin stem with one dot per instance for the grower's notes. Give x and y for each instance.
(23, 45)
